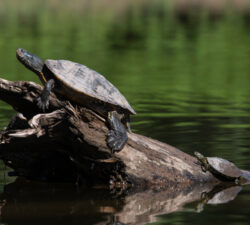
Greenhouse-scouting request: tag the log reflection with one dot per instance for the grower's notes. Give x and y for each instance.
(28, 202)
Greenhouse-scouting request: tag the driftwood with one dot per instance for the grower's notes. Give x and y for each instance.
(69, 142)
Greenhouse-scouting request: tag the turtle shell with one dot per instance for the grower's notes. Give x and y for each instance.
(81, 83)
(224, 167)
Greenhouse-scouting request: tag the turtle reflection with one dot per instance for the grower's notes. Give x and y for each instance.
(218, 195)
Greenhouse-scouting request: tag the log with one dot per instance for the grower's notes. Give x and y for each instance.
(69, 141)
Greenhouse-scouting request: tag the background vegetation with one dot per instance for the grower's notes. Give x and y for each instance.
(184, 66)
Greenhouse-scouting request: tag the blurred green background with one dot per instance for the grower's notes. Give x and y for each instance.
(183, 65)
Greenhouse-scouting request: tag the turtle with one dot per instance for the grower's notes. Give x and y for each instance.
(84, 87)
(221, 168)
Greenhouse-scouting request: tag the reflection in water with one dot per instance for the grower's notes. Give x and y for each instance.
(219, 195)
(186, 75)
(28, 202)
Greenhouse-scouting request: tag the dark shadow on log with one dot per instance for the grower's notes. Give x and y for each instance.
(70, 141)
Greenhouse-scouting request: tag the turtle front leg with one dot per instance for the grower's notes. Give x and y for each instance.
(43, 100)
(204, 168)
(117, 135)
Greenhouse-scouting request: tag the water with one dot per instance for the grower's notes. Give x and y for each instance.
(186, 75)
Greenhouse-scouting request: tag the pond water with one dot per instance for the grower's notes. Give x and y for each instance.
(185, 73)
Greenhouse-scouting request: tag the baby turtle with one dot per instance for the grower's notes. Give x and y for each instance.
(85, 87)
(221, 168)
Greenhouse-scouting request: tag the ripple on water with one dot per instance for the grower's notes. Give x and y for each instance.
(214, 125)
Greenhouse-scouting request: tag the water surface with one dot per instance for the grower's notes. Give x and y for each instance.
(187, 76)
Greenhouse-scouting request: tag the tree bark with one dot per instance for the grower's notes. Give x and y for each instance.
(69, 142)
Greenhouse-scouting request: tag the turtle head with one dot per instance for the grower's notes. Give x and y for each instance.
(203, 161)
(199, 156)
(29, 60)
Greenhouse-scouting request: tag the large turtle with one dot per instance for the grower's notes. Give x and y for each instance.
(221, 168)
(85, 87)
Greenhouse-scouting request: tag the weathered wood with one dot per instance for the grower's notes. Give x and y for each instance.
(77, 136)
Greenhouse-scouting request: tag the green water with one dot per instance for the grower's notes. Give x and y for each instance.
(187, 77)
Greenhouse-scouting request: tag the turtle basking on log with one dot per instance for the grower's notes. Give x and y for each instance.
(85, 87)
(221, 168)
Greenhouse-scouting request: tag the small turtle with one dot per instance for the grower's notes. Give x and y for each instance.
(221, 168)
(85, 87)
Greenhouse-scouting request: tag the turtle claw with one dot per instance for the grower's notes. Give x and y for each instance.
(42, 104)
(116, 140)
